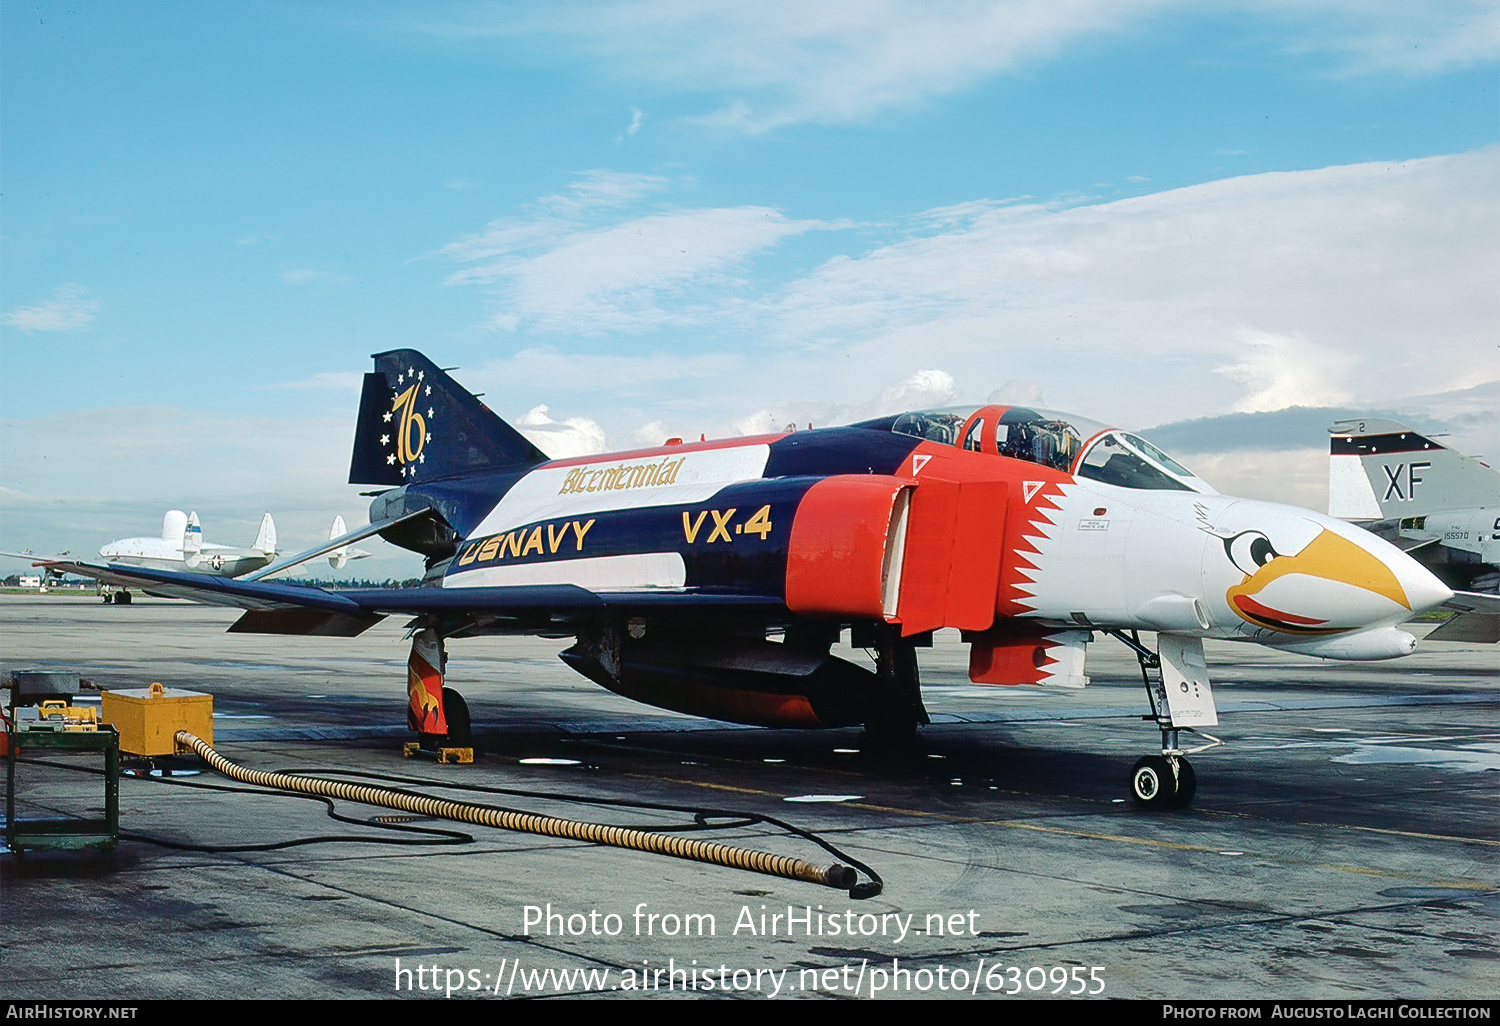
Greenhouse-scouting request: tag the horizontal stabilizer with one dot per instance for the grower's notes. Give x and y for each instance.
(1478, 619)
(1477, 628)
(315, 622)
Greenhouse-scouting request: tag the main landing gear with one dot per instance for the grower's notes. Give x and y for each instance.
(1181, 701)
(896, 708)
(438, 714)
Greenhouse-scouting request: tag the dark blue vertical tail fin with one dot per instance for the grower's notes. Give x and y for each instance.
(418, 424)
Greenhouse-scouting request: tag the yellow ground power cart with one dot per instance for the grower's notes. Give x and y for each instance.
(148, 719)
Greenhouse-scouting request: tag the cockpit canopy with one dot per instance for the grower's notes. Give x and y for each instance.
(1055, 440)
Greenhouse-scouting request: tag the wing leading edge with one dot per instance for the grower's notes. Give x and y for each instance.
(276, 608)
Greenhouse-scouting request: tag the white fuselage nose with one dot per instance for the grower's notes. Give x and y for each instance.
(1295, 572)
(1218, 566)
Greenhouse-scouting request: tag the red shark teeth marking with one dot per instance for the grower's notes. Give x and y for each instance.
(1025, 527)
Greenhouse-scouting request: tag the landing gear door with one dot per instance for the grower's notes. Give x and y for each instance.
(424, 684)
(1184, 678)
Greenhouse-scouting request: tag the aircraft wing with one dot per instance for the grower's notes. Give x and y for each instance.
(1478, 619)
(36, 558)
(275, 608)
(202, 588)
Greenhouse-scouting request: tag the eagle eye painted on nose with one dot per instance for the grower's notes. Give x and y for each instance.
(1249, 551)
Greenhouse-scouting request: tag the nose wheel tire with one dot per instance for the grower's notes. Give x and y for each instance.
(1187, 784)
(1155, 785)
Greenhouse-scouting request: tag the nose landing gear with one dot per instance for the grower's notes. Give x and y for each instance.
(1163, 782)
(1181, 700)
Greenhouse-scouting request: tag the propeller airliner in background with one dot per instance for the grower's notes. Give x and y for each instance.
(181, 547)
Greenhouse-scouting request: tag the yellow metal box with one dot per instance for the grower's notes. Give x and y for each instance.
(148, 719)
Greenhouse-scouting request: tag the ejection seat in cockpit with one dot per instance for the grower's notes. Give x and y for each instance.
(1014, 432)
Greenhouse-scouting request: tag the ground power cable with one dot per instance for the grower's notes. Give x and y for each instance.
(733, 818)
(431, 835)
(835, 875)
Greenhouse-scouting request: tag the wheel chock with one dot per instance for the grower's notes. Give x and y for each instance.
(448, 756)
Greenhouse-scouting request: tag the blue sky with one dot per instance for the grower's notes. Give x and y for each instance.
(662, 218)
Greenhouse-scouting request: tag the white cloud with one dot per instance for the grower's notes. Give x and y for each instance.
(650, 434)
(1284, 370)
(548, 369)
(143, 453)
(1337, 285)
(553, 216)
(561, 439)
(560, 274)
(79, 479)
(781, 61)
(1311, 286)
(924, 388)
(764, 63)
(1297, 477)
(70, 309)
(1346, 284)
(1381, 36)
(1018, 393)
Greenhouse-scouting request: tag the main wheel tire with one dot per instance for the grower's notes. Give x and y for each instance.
(1187, 784)
(122, 598)
(1152, 783)
(456, 712)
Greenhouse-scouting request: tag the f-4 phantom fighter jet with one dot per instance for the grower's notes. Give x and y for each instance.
(713, 577)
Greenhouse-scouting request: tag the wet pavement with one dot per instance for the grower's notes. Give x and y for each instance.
(1342, 845)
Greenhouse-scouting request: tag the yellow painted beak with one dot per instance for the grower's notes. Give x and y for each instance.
(1303, 607)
